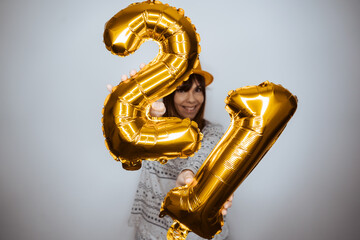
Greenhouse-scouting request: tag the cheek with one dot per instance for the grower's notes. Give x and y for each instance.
(200, 98)
(177, 100)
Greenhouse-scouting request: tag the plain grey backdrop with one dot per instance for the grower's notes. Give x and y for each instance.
(57, 179)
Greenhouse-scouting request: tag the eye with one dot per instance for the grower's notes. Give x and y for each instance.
(198, 89)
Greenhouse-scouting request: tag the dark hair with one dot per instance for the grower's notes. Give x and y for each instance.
(186, 86)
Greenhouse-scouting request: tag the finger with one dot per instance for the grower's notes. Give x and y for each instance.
(231, 198)
(223, 211)
(132, 73)
(124, 77)
(142, 65)
(109, 87)
(227, 205)
(180, 181)
(158, 107)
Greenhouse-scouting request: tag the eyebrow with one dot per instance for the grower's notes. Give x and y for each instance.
(197, 84)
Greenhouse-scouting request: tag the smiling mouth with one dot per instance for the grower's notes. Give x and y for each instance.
(189, 109)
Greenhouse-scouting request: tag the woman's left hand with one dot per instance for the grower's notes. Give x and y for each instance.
(187, 176)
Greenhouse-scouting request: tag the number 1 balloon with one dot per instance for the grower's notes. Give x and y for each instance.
(258, 116)
(131, 134)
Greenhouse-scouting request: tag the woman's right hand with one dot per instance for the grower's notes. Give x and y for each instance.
(187, 176)
(157, 108)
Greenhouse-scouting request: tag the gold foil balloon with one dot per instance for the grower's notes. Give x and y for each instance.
(258, 116)
(131, 134)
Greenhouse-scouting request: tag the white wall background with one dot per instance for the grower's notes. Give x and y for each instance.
(57, 179)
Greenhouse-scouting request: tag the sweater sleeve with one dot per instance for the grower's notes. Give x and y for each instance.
(212, 134)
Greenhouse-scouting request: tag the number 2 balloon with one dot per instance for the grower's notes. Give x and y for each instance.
(130, 133)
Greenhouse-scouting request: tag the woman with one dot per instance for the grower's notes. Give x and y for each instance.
(156, 179)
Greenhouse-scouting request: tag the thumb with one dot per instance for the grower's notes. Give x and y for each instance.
(188, 180)
(185, 177)
(158, 106)
(157, 109)
(188, 177)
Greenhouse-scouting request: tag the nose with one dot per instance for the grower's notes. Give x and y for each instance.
(190, 97)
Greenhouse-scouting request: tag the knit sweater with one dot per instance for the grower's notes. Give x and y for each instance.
(156, 180)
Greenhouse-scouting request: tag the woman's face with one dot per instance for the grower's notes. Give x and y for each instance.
(187, 104)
